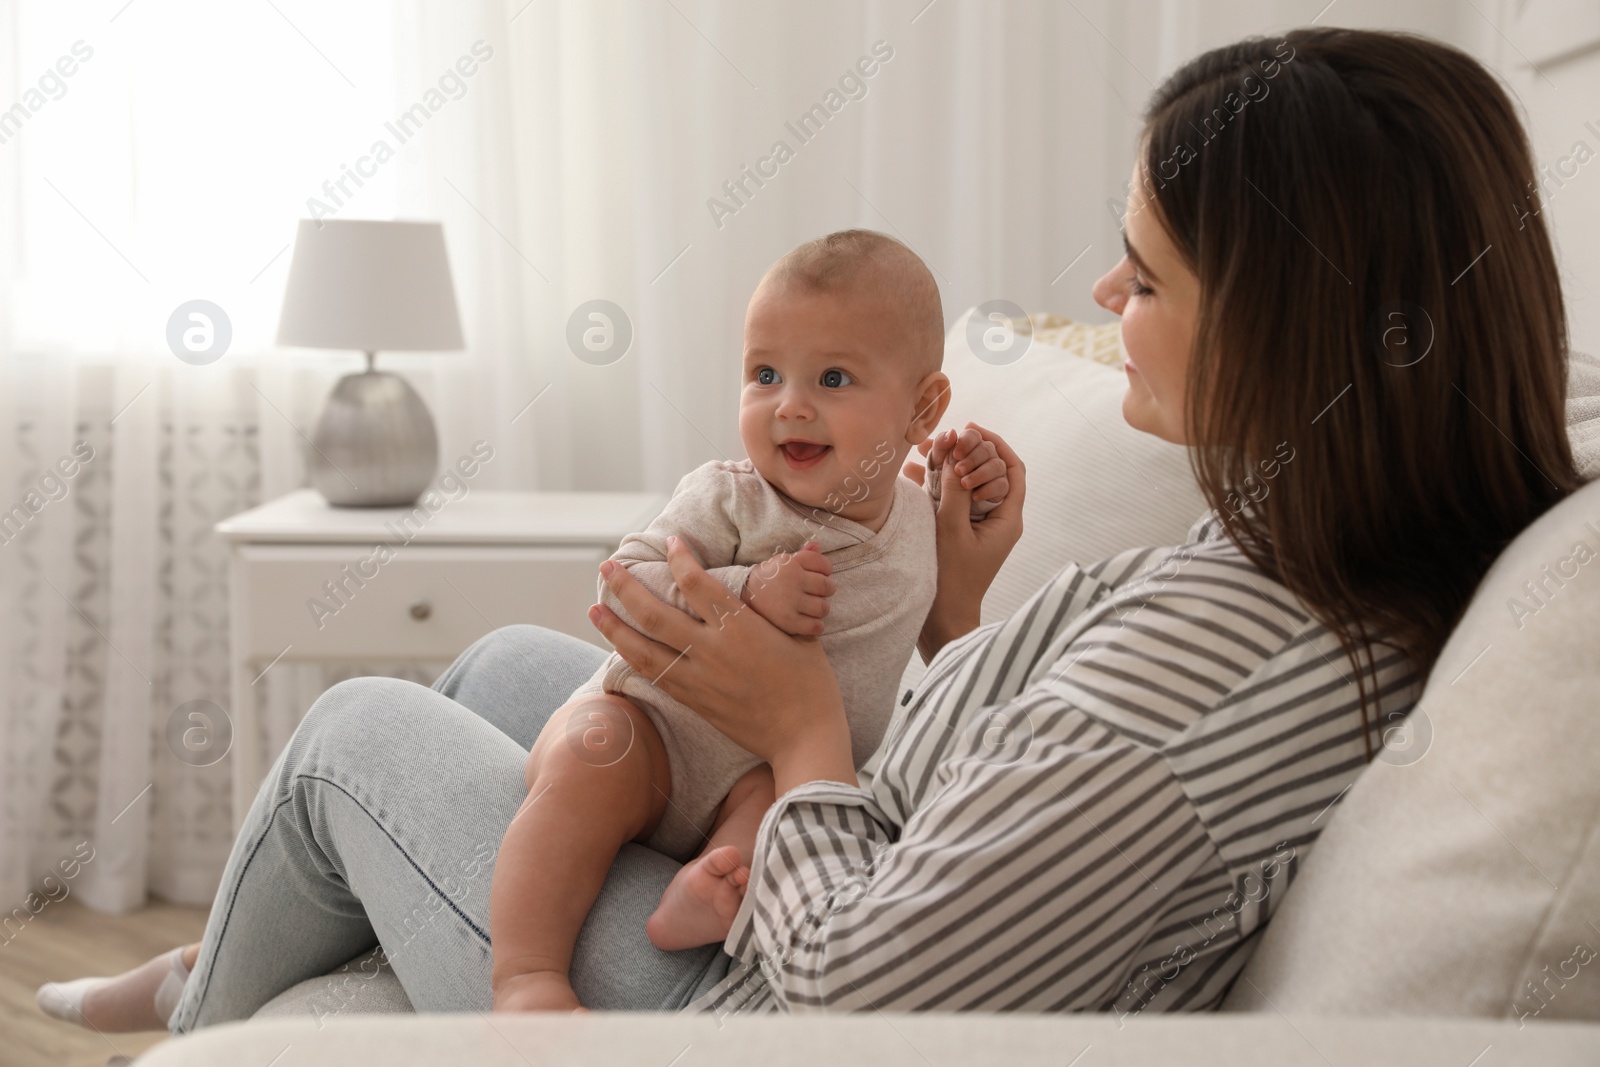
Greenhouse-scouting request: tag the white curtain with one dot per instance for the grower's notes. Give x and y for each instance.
(599, 150)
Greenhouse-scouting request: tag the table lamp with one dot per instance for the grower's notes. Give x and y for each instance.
(371, 286)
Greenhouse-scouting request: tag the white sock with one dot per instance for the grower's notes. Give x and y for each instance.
(171, 989)
(141, 999)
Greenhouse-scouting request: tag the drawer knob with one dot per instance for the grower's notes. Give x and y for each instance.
(421, 610)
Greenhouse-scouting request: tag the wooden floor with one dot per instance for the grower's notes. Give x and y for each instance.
(67, 940)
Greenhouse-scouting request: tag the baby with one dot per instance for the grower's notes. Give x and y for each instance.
(843, 347)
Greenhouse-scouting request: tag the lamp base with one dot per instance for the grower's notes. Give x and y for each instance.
(375, 445)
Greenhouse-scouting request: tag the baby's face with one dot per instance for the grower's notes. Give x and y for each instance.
(829, 395)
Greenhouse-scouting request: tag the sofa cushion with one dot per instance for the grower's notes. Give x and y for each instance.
(365, 985)
(1461, 873)
(1095, 484)
(1583, 412)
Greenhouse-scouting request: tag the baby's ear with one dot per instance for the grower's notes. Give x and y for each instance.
(932, 397)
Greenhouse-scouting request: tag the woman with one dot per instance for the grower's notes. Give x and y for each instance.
(1098, 802)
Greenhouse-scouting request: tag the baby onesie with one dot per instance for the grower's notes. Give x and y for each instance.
(733, 520)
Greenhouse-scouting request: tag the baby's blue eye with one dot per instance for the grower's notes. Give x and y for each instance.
(833, 379)
(767, 376)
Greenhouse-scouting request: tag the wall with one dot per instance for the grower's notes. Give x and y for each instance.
(1562, 104)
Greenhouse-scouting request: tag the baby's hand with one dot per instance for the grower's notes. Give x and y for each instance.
(791, 590)
(977, 463)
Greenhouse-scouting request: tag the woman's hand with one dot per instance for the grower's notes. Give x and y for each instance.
(970, 553)
(772, 694)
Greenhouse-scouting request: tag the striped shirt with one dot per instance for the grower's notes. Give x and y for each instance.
(1095, 804)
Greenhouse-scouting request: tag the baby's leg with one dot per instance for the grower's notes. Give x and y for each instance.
(700, 903)
(597, 778)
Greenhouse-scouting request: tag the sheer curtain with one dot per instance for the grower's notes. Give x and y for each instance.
(624, 151)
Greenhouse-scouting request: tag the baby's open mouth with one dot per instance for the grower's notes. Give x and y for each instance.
(802, 454)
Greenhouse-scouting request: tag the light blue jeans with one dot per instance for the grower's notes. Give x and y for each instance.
(379, 823)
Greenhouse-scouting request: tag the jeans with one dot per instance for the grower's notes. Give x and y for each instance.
(380, 822)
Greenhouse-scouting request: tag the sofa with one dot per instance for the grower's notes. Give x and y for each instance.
(1448, 914)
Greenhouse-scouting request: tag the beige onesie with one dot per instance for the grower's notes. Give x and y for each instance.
(734, 519)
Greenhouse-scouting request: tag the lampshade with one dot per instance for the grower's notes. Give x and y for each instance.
(371, 286)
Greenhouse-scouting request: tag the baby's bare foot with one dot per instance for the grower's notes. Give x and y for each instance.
(699, 906)
(537, 991)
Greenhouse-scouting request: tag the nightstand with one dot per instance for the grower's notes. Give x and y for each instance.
(312, 583)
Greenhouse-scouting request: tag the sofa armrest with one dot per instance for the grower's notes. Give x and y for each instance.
(882, 1040)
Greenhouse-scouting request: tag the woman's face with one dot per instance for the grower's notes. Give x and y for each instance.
(1158, 298)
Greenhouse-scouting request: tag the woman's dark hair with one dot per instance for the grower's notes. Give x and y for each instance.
(1378, 295)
